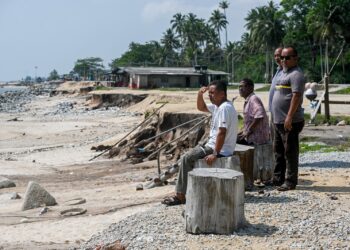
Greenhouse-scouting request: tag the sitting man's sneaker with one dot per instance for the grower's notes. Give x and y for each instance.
(286, 187)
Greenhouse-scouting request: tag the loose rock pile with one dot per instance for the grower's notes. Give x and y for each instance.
(13, 102)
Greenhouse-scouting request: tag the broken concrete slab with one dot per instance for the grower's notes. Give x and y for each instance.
(6, 183)
(36, 196)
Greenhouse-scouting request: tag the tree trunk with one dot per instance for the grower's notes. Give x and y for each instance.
(214, 201)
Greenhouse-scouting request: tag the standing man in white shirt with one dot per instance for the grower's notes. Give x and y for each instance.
(222, 136)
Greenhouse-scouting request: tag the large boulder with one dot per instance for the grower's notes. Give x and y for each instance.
(6, 183)
(37, 196)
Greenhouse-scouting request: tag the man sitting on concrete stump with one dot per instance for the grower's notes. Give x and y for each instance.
(221, 141)
(256, 126)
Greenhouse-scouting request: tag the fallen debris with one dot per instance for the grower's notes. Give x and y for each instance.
(43, 210)
(73, 212)
(15, 196)
(6, 183)
(75, 201)
(139, 187)
(14, 120)
(36, 196)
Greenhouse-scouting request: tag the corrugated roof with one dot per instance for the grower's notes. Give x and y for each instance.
(169, 71)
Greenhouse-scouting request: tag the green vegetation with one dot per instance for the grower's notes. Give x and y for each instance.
(240, 122)
(53, 75)
(342, 91)
(305, 147)
(316, 147)
(265, 88)
(89, 68)
(320, 119)
(232, 87)
(308, 139)
(312, 27)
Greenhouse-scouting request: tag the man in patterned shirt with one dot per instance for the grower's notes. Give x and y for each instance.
(256, 127)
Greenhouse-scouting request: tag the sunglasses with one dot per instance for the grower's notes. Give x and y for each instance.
(287, 57)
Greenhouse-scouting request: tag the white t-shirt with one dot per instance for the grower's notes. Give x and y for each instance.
(224, 116)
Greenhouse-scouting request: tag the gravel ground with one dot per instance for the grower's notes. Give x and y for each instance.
(299, 219)
(325, 160)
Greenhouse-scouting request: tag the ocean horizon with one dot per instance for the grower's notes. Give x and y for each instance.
(4, 89)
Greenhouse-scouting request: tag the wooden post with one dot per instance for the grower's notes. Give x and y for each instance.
(326, 97)
(214, 201)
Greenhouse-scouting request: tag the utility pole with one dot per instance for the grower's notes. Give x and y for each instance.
(228, 62)
(326, 97)
(326, 82)
(36, 68)
(233, 69)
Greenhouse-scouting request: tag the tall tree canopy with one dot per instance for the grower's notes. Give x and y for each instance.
(307, 24)
(89, 68)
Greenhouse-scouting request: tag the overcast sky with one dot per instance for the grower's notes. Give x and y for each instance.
(37, 36)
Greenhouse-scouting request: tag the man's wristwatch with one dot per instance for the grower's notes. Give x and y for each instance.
(215, 153)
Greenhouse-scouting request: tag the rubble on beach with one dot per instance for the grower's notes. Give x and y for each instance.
(15, 101)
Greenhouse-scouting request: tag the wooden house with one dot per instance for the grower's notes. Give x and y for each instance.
(158, 77)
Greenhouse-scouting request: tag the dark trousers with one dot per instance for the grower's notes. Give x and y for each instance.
(286, 148)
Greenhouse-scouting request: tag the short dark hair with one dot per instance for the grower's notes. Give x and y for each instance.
(293, 48)
(221, 85)
(248, 82)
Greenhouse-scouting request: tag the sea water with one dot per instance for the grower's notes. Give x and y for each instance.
(4, 89)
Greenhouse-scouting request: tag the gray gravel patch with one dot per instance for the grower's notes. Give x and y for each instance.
(292, 220)
(296, 220)
(325, 160)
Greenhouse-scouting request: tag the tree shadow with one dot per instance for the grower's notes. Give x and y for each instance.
(327, 164)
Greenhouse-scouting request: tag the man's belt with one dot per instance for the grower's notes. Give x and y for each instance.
(283, 87)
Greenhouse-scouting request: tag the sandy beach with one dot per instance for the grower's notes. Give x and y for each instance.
(49, 141)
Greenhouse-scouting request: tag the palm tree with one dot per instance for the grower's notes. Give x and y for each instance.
(193, 36)
(326, 26)
(224, 5)
(169, 42)
(178, 23)
(218, 21)
(156, 53)
(265, 31)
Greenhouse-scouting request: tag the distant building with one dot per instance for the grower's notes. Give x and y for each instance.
(157, 77)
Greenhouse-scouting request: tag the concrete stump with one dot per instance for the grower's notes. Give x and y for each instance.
(214, 201)
(246, 157)
(230, 162)
(264, 162)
